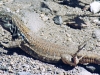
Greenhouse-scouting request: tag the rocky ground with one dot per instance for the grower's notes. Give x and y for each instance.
(59, 21)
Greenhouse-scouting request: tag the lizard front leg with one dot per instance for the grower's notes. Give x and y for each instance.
(11, 44)
(68, 59)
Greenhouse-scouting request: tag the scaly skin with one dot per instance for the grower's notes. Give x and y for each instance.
(47, 51)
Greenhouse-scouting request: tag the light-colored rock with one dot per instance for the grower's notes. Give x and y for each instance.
(23, 73)
(32, 20)
(96, 34)
(96, 21)
(58, 20)
(95, 6)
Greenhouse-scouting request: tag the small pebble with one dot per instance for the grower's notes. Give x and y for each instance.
(97, 21)
(61, 73)
(25, 65)
(57, 20)
(1, 3)
(91, 68)
(23, 73)
(96, 34)
(95, 6)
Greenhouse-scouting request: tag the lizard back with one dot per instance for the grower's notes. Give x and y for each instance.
(45, 50)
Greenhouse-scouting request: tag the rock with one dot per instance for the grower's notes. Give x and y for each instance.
(1, 3)
(32, 20)
(25, 65)
(42, 69)
(23, 73)
(96, 34)
(79, 71)
(98, 44)
(57, 20)
(61, 73)
(55, 8)
(95, 6)
(44, 8)
(97, 21)
(3, 68)
(91, 68)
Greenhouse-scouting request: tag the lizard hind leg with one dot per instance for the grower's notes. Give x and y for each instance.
(68, 59)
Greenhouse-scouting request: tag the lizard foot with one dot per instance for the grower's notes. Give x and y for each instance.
(68, 59)
(71, 60)
(12, 44)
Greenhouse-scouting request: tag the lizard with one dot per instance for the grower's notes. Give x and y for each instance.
(44, 50)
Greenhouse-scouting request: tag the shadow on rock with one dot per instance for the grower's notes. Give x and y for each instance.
(76, 23)
(73, 3)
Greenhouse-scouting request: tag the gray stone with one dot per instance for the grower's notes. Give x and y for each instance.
(57, 20)
(91, 68)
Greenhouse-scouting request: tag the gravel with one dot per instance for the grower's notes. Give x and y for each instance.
(38, 16)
